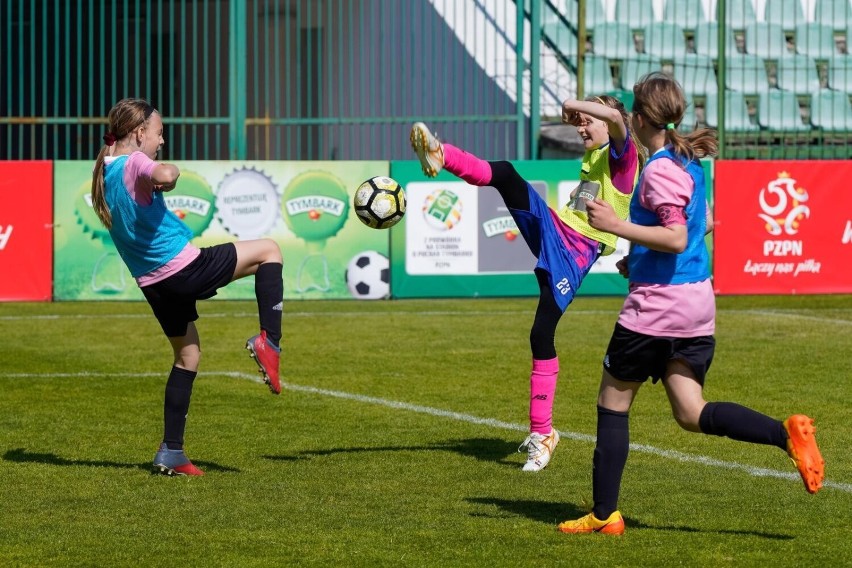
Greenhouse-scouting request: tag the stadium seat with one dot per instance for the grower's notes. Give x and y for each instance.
(561, 36)
(635, 13)
(686, 13)
(664, 40)
(598, 75)
(786, 13)
(746, 74)
(779, 110)
(740, 13)
(834, 13)
(707, 40)
(736, 113)
(765, 40)
(816, 40)
(634, 68)
(840, 73)
(798, 73)
(595, 14)
(614, 40)
(831, 110)
(687, 123)
(695, 73)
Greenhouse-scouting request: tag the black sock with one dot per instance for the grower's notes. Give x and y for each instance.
(176, 407)
(608, 463)
(269, 290)
(742, 424)
(512, 187)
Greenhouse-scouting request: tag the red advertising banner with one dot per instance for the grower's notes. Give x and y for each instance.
(783, 227)
(26, 230)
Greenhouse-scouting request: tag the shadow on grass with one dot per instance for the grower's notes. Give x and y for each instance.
(555, 513)
(543, 511)
(20, 455)
(491, 450)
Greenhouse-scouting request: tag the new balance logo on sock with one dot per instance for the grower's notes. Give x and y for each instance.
(540, 397)
(279, 307)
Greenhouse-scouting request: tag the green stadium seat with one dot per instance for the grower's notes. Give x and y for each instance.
(779, 110)
(798, 73)
(562, 37)
(740, 13)
(688, 122)
(706, 40)
(695, 74)
(840, 73)
(786, 13)
(635, 13)
(595, 14)
(664, 40)
(746, 74)
(614, 40)
(765, 40)
(834, 13)
(736, 113)
(816, 40)
(686, 13)
(831, 110)
(598, 75)
(634, 68)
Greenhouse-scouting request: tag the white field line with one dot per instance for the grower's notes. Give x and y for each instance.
(461, 417)
(791, 314)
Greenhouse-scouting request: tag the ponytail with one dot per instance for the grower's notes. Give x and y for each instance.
(697, 144)
(99, 203)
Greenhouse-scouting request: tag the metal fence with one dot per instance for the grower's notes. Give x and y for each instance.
(344, 79)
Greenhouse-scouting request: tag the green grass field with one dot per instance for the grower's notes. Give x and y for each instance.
(394, 442)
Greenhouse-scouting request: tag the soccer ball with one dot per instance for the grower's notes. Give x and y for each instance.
(379, 202)
(368, 276)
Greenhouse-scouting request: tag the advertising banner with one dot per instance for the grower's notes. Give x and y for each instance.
(459, 240)
(304, 206)
(26, 228)
(783, 227)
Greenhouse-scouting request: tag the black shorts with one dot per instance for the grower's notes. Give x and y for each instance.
(633, 356)
(173, 299)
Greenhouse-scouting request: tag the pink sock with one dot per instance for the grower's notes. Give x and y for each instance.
(468, 167)
(542, 390)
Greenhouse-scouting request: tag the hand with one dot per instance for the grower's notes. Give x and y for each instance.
(601, 215)
(570, 116)
(573, 118)
(622, 267)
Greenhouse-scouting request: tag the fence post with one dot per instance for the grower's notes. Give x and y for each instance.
(722, 55)
(237, 76)
(535, 79)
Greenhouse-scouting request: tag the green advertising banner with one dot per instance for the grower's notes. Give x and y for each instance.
(458, 240)
(304, 206)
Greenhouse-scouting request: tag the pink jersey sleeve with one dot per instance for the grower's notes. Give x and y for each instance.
(666, 189)
(137, 177)
(623, 167)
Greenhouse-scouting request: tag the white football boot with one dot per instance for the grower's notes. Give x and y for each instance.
(539, 450)
(429, 150)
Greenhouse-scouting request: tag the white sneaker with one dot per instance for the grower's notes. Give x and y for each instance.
(428, 148)
(540, 449)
